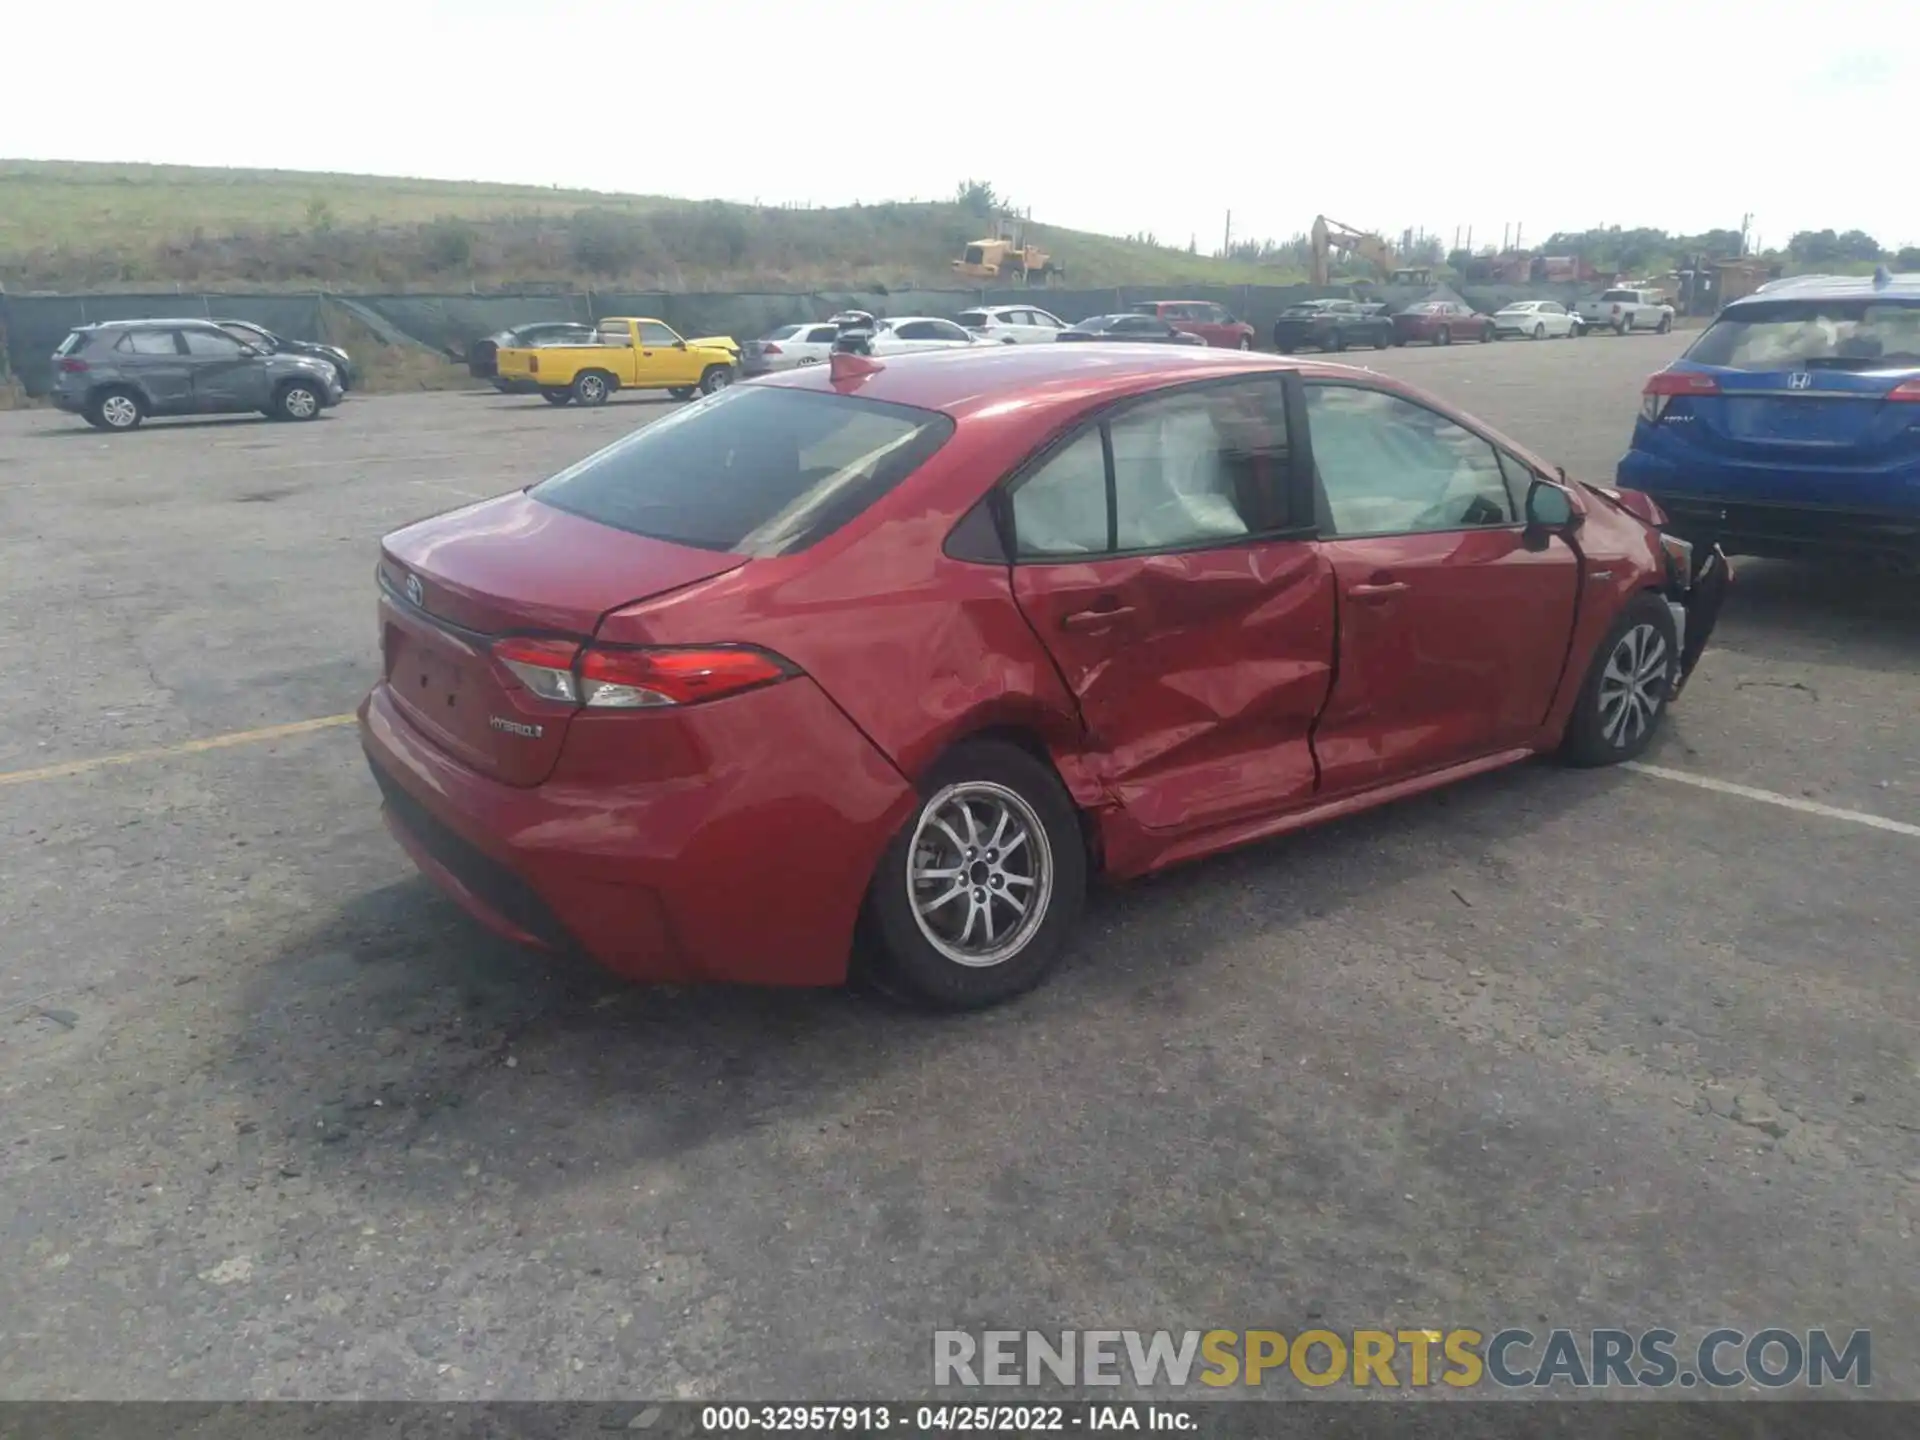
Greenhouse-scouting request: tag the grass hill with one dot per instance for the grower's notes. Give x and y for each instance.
(68, 225)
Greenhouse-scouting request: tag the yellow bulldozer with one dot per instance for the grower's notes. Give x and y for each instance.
(1330, 235)
(1005, 257)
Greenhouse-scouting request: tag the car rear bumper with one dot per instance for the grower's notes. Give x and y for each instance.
(1771, 528)
(753, 872)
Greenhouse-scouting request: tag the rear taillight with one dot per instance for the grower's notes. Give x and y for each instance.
(1663, 386)
(73, 367)
(1905, 390)
(769, 348)
(602, 677)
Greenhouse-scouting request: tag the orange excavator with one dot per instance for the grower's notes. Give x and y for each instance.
(1330, 235)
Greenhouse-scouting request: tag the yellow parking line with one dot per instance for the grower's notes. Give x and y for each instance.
(162, 752)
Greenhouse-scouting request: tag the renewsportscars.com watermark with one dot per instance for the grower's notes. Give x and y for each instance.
(1461, 1359)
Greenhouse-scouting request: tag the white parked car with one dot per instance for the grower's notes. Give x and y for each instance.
(788, 348)
(1627, 309)
(909, 334)
(1014, 324)
(1536, 320)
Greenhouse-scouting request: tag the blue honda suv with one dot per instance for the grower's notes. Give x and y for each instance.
(1791, 427)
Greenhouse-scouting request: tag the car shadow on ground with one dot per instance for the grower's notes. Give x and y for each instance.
(79, 429)
(1875, 613)
(400, 1027)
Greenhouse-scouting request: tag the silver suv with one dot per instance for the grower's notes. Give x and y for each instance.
(118, 373)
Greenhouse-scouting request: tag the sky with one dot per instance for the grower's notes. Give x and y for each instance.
(1118, 117)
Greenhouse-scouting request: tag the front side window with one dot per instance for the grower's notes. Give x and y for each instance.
(653, 333)
(1387, 466)
(751, 470)
(1184, 470)
(211, 344)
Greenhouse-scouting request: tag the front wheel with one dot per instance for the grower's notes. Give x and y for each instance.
(716, 378)
(296, 400)
(682, 392)
(974, 899)
(1246, 342)
(1486, 335)
(1626, 690)
(1383, 339)
(1445, 337)
(1665, 325)
(1336, 342)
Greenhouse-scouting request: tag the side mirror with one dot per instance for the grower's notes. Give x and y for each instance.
(1549, 507)
(679, 344)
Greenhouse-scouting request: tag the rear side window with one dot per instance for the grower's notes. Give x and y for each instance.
(148, 342)
(822, 335)
(1832, 334)
(753, 470)
(1621, 295)
(1191, 469)
(975, 319)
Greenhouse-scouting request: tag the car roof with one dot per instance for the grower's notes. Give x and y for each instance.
(996, 309)
(194, 322)
(995, 382)
(1834, 287)
(908, 319)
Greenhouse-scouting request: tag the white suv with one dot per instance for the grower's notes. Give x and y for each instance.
(1020, 324)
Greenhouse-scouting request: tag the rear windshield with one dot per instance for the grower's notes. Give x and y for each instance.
(1311, 307)
(73, 343)
(785, 332)
(1841, 334)
(755, 470)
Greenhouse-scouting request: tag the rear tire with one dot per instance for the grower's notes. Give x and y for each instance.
(592, 387)
(1486, 335)
(927, 916)
(1665, 325)
(1382, 340)
(1445, 337)
(116, 409)
(1624, 697)
(557, 397)
(716, 378)
(297, 400)
(1539, 331)
(1246, 342)
(1336, 342)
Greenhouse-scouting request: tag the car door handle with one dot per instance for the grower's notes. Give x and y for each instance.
(1377, 590)
(1094, 619)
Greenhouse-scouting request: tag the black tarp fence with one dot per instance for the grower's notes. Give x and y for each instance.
(34, 325)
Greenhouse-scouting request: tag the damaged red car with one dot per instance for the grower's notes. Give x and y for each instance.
(893, 658)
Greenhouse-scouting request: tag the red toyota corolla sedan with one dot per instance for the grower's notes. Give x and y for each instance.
(915, 648)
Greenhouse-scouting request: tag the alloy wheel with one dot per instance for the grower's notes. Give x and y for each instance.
(979, 873)
(120, 412)
(301, 403)
(1633, 686)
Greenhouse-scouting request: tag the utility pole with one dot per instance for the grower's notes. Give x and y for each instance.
(1746, 224)
(1226, 246)
(1518, 230)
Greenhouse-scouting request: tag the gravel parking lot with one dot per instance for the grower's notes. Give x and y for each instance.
(1597, 1048)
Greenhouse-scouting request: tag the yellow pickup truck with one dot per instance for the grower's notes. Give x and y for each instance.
(628, 353)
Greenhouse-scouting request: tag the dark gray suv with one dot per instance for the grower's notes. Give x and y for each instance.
(118, 373)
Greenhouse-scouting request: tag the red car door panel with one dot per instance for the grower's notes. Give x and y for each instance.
(1454, 619)
(1198, 674)
(1451, 645)
(1197, 641)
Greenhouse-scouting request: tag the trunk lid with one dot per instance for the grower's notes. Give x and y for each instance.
(453, 584)
(1799, 414)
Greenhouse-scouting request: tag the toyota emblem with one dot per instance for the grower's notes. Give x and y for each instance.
(416, 592)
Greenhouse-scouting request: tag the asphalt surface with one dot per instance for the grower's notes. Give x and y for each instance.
(1555, 1048)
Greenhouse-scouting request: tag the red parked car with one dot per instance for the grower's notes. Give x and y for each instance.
(1441, 322)
(915, 648)
(1212, 323)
